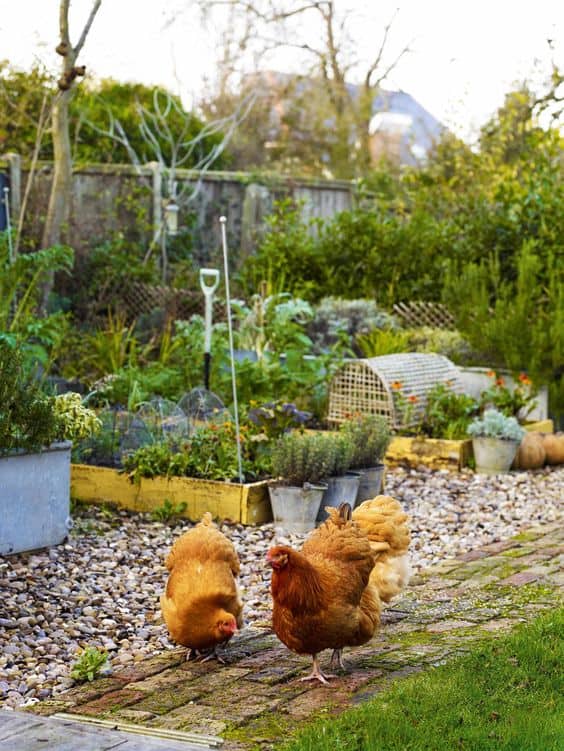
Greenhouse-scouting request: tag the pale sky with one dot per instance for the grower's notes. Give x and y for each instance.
(466, 53)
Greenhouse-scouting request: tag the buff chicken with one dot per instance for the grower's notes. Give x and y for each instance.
(201, 605)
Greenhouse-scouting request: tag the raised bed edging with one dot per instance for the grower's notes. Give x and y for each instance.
(439, 453)
(247, 503)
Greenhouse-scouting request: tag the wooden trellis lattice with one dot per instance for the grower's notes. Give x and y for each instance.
(417, 313)
(138, 299)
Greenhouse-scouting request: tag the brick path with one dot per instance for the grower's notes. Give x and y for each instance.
(256, 699)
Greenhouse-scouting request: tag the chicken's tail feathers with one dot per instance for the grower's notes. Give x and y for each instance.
(385, 523)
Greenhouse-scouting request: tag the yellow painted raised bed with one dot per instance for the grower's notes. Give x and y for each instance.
(432, 452)
(540, 426)
(248, 503)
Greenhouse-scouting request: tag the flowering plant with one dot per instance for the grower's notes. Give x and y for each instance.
(516, 402)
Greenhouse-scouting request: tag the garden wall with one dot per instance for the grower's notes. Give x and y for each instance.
(121, 198)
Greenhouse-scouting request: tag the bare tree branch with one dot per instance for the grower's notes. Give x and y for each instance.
(87, 25)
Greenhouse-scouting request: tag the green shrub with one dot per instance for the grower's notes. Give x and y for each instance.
(369, 436)
(447, 414)
(383, 342)
(299, 458)
(28, 420)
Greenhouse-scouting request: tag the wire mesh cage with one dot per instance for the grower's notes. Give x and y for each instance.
(394, 386)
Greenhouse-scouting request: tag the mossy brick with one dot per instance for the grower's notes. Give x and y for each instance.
(191, 717)
(472, 555)
(134, 716)
(311, 702)
(530, 535)
(89, 691)
(151, 666)
(450, 625)
(494, 548)
(520, 578)
(165, 700)
(108, 702)
(517, 552)
(276, 674)
(499, 624)
(275, 654)
(219, 680)
(48, 707)
(164, 679)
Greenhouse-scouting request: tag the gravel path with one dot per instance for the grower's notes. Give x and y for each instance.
(102, 587)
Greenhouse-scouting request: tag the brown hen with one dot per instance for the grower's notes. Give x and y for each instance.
(201, 605)
(330, 595)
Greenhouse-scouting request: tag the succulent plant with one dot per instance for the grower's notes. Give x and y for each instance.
(494, 424)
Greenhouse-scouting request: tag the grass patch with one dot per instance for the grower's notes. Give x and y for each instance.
(505, 695)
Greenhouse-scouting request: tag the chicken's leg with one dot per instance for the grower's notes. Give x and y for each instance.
(317, 673)
(337, 657)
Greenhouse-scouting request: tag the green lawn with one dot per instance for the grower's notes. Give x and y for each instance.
(505, 695)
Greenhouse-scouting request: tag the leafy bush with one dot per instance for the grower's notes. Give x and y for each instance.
(27, 416)
(494, 424)
(75, 421)
(275, 418)
(337, 322)
(383, 342)
(447, 414)
(273, 323)
(210, 454)
(450, 344)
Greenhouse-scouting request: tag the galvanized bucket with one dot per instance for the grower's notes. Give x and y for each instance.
(295, 508)
(342, 489)
(493, 455)
(371, 483)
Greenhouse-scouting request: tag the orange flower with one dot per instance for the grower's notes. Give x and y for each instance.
(499, 382)
(491, 373)
(525, 380)
(397, 385)
(413, 399)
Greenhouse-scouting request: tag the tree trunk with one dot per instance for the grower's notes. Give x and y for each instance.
(58, 210)
(59, 198)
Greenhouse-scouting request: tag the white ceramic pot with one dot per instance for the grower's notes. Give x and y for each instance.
(493, 455)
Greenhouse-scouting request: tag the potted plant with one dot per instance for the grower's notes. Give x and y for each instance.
(300, 464)
(370, 436)
(35, 448)
(342, 483)
(495, 440)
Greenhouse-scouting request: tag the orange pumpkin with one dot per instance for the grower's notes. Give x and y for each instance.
(554, 447)
(531, 453)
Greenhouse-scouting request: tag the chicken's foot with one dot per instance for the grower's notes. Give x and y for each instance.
(317, 673)
(209, 654)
